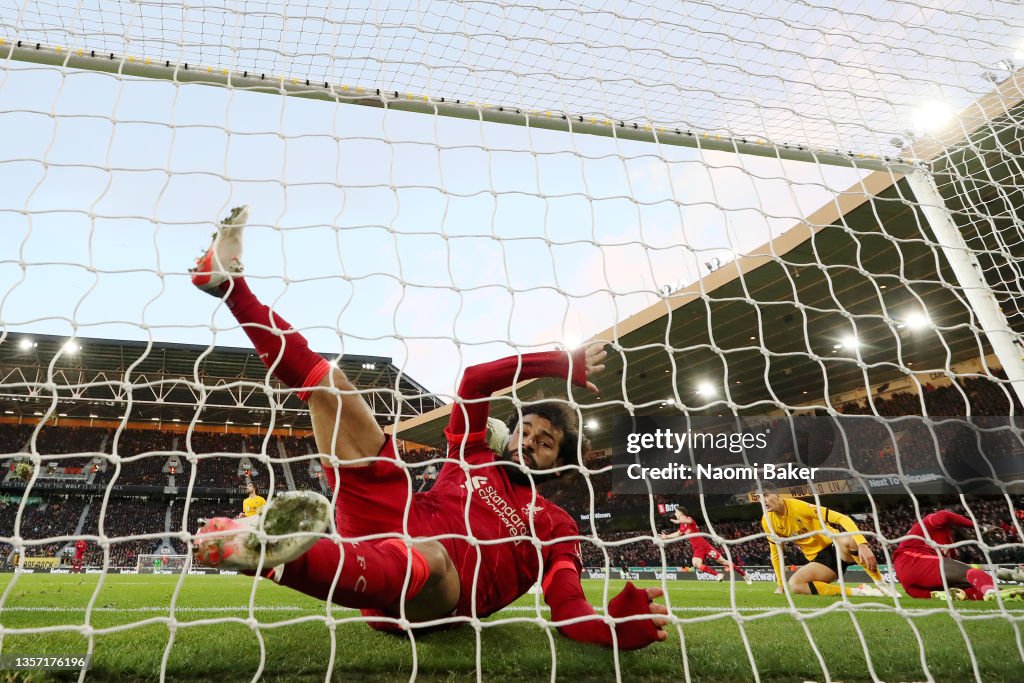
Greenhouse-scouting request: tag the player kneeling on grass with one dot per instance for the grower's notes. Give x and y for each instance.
(927, 571)
(480, 494)
(812, 529)
(702, 549)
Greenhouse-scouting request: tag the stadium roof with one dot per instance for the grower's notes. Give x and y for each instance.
(769, 323)
(169, 381)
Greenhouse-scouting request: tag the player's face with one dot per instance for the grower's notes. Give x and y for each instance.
(250, 489)
(773, 503)
(535, 443)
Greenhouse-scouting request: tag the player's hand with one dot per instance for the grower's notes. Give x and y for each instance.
(635, 634)
(867, 557)
(594, 358)
(779, 590)
(663, 537)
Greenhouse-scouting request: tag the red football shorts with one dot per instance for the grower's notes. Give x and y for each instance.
(371, 498)
(919, 573)
(708, 554)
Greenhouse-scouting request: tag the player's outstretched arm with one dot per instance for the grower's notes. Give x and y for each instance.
(776, 553)
(864, 552)
(668, 537)
(480, 381)
(564, 594)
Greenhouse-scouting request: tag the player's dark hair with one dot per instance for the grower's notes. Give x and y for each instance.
(255, 487)
(680, 509)
(559, 414)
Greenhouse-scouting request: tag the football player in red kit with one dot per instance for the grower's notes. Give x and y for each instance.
(928, 571)
(702, 549)
(80, 546)
(473, 544)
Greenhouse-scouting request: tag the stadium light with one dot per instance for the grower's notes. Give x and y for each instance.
(933, 116)
(706, 389)
(25, 344)
(592, 424)
(71, 347)
(849, 342)
(917, 321)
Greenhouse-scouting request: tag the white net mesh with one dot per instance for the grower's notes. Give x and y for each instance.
(783, 70)
(420, 245)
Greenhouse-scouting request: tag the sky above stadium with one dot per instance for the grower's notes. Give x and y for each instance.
(437, 242)
(377, 233)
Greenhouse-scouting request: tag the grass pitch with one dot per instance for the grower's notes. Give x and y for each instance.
(212, 635)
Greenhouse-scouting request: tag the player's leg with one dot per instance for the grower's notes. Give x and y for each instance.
(702, 568)
(976, 584)
(847, 548)
(729, 566)
(818, 577)
(344, 427)
(345, 434)
(377, 575)
(814, 578)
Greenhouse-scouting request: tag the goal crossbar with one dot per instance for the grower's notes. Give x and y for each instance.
(110, 62)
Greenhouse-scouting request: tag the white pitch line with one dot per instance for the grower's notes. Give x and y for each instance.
(516, 608)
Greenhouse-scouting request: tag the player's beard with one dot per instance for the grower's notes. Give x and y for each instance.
(520, 476)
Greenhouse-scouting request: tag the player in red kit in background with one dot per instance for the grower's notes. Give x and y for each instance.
(702, 549)
(80, 546)
(483, 506)
(927, 571)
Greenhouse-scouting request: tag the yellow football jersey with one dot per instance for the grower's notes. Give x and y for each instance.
(803, 518)
(251, 505)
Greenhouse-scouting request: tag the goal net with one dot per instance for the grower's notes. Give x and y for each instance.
(155, 564)
(789, 218)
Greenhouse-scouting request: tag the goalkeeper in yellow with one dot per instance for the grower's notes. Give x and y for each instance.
(252, 504)
(813, 530)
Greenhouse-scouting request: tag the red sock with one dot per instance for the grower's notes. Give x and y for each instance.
(707, 570)
(372, 572)
(738, 570)
(981, 581)
(286, 355)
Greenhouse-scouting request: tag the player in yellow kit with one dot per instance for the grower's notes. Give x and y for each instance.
(827, 554)
(251, 505)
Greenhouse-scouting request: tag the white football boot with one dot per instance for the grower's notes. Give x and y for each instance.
(292, 522)
(223, 259)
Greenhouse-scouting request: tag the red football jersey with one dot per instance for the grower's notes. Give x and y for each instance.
(79, 548)
(699, 544)
(517, 539)
(940, 529)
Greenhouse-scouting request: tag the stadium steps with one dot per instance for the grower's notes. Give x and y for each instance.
(286, 466)
(81, 519)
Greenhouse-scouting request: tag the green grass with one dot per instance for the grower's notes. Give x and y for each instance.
(297, 642)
